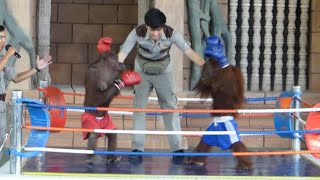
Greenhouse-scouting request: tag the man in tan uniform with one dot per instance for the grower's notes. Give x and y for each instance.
(9, 73)
(153, 62)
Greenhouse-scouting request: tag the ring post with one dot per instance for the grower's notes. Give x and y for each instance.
(296, 139)
(43, 84)
(16, 135)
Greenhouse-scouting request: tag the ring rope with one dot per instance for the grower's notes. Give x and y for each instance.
(247, 133)
(6, 138)
(181, 114)
(23, 154)
(234, 132)
(304, 103)
(257, 111)
(79, 151)
(303, 122)
(182, 99)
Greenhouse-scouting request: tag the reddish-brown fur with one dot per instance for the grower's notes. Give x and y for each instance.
(100, 90)
(225, 87)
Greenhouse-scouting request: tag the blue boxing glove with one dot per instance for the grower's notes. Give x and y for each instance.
(215, 49)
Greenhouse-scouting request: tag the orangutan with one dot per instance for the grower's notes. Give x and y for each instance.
(224, 83)
(103, 81)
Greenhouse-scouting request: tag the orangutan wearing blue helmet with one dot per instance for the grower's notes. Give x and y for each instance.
(224, 83)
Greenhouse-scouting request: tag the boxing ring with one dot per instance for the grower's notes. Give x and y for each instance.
(69, 163)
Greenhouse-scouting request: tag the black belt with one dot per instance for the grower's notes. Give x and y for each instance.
(2, 97)
(161, 59)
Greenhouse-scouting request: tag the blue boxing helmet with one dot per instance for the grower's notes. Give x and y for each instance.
(215, 49)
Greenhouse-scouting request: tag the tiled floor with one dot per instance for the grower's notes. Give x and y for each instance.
(281, 165)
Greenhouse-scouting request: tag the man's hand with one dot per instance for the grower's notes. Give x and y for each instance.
(11, 51)
(128, 78)
(44, 62)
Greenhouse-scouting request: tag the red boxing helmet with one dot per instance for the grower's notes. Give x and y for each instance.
(104, 44)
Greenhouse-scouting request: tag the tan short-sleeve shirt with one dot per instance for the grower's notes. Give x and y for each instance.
(151, 49)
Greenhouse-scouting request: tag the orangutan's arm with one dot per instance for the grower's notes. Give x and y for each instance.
(95, 97)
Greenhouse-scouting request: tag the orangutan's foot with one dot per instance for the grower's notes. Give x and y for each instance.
(192, 161)
(95, 159)
(244, 164)
(113, 159)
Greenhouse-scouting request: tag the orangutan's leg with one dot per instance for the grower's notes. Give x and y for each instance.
(112, 145)
(244, 162)
(199, 160)
(92, 141)
(92, 144)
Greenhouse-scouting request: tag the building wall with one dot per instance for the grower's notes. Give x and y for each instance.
(170, 9)
(314, 69)
(77, 25)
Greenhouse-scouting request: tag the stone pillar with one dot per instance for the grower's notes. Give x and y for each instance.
(44, 35)
(174, 11)
(143, 6)
(24, 13)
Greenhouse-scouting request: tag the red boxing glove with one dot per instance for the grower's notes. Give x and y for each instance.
(128, 78)
(104, 44)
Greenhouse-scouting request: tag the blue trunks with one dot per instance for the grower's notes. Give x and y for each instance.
(223, 123)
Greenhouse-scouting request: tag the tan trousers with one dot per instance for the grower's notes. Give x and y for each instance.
(164, 87)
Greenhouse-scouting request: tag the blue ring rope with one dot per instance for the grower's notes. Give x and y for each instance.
(23, 154)
(95, 109)
(261, 99)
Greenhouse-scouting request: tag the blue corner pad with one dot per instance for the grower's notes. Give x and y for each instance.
(284, 121)
(38, 117)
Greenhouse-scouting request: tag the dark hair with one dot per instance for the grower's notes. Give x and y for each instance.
(155, 18)
(2, 28)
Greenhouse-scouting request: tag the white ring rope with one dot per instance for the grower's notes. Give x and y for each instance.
(185, 99)
(165, 132)
(108, 131)
(78, 151)
(243, 111)
(5, 140)
(257, 111)
(301, 121)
